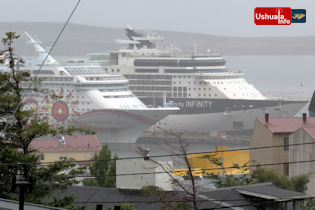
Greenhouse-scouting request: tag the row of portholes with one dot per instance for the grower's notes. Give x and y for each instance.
(118, 70)
(126, 106)
(237, 82)
(199, 88)
(181, 77)
(215, 95)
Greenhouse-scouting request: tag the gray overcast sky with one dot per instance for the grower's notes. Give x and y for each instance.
(215, 17)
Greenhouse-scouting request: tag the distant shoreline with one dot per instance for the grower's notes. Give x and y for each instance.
(79, 40)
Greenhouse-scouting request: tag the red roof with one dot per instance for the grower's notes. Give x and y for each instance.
(287, 124)
(310, 131)
(72, 143)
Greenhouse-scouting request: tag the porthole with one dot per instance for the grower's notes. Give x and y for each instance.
(112, 70)
(215, 95)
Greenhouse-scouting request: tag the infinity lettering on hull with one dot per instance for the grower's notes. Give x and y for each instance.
(193, 104)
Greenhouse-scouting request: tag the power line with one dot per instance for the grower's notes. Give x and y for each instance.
(42, 64)
(168, 155)
(207, 169)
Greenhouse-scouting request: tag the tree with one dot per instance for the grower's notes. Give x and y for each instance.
(258, 175)
(103, 168)
(19, 125)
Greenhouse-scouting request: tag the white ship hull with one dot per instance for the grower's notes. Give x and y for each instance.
(117, 126)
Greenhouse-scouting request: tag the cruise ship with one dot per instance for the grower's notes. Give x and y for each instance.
(91, 98)
(210, 96)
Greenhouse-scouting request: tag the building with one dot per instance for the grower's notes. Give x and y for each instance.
(143, 173)
(77, 147)
(273, 135)
(240, 157)
(6, 204)
(250, 197)
(303, 152)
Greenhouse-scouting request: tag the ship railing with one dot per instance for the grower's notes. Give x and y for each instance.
(288, 98)
(70, 64)
(171, 55)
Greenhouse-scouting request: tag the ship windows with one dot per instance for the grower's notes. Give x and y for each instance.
(204, 94)
(185, 88)
(194, 82)
(180, 83)
(188, 82)
(188, 88)
(215, 95)
(194, 88)
(199, 94)
(209, 94)
(174, 88)
(204, 88)
(174, 82)
(224, 88)
(209, 88)
(199, 88)
(118, 70)
(113, 70)
(179, 77)
(179, 88)
(188, 94)
(214, 83)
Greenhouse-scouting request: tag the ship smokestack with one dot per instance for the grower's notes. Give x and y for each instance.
(304, 117)
(266, 117)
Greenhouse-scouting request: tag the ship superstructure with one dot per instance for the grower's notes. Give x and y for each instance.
(211, 97)
(91, 98)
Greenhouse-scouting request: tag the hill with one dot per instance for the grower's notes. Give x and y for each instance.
(78, 40)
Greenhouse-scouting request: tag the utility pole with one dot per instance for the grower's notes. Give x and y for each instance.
(22, 185)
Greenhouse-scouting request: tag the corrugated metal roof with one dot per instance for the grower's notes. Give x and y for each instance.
(287, 124)
(75, 142)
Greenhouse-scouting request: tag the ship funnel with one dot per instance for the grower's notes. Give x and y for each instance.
(266, 117)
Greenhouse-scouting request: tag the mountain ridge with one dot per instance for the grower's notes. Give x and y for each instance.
(79, 40)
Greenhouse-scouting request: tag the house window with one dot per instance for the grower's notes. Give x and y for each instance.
(286, 143)
(41, 157)
(286, 169)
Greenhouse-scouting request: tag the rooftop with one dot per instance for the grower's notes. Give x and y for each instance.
(287, 124)
(70, 143)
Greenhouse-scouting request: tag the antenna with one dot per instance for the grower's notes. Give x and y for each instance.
(129, 27)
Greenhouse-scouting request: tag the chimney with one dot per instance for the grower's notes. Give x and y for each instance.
(266, 117)
(304, 117)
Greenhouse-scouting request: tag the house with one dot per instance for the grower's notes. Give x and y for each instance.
(6, 204)
(303, 152)
(272, 136)
(249, 197)
(77, 147)
(137, 173)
